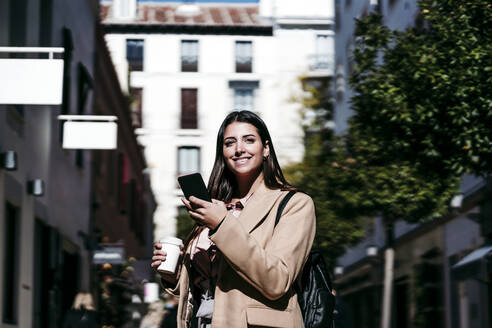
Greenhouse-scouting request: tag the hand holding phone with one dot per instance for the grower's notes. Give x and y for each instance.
(203, 210)
(193, 185)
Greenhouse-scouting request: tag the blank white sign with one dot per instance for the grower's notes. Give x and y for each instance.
(31, 81)
(90, 135)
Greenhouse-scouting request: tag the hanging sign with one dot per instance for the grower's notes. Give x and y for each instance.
(89, 132)
(31, 81)
(108, 254)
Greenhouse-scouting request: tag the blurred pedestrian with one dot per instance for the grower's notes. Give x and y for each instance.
(170, 312)
(238, 269)
(154, 315)
(82, 314)
(341, 316)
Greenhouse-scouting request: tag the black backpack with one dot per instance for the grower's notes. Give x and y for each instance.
(314, 296)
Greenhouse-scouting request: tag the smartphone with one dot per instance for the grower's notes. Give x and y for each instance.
(193, 185)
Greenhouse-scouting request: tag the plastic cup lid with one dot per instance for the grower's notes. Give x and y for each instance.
(172, 240)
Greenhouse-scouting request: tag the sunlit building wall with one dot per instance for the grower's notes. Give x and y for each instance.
(192, 64)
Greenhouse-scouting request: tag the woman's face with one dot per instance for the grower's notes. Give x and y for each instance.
(243, 149)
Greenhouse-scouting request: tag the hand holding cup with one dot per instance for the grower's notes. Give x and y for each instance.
(166, 256)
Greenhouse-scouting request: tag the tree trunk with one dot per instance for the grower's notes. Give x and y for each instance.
(389, 260)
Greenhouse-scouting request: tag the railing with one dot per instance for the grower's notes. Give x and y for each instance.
(321, 62)
(49, 50)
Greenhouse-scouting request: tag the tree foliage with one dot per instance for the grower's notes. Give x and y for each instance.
(317, 176)
(422, 117)
(425, 92)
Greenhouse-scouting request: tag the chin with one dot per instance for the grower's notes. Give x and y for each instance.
(243, 171)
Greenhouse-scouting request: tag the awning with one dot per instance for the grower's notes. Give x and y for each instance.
(475, 264)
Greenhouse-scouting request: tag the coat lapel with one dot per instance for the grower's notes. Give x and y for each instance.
(260, 203)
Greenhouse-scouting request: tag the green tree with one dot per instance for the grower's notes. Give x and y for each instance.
(429, 99)
(422, 111)
(184, 224)
(338, 226)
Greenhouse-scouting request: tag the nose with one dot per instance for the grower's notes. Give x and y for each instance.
(239, 148)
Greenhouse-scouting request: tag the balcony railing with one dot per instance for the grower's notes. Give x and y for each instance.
(321, 62)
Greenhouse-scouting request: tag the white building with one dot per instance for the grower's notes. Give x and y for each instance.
(192, 64)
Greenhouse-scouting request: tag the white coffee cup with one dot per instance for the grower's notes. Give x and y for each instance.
(172, 247)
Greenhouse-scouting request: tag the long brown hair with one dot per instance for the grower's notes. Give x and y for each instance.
(222, 182)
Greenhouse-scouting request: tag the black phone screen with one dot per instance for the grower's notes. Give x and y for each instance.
(193, 185)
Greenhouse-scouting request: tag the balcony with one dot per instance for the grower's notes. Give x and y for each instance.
(321, 65)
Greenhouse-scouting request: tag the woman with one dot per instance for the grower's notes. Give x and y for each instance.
(238, 268)
(82, 313)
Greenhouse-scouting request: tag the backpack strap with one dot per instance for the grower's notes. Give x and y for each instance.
(297, 287)
(282, 205)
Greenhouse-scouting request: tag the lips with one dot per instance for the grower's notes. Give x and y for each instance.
(241, 160)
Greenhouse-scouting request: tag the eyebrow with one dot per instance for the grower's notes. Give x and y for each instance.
(245, 136)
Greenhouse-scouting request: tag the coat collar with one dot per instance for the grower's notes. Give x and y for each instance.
(260, 203)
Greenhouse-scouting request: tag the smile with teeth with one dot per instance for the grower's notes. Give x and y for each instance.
(241, 160)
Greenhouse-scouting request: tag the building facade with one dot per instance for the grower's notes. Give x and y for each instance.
(192, 64)
(47, 214)
(122, 200)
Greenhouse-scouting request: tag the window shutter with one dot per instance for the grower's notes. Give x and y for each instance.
(189, 109)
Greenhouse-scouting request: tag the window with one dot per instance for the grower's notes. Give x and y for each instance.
(322, 57)
(134, 54)
(136, 106)
(244, 56)
(244, 94)
(243, 99)
(188, 160)
(189, 109)
(11, 264)
(189, 56)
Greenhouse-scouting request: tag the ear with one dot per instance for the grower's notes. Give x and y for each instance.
(266, 149)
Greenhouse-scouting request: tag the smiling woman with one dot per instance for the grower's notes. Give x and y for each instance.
(244, 153)
(238, 268)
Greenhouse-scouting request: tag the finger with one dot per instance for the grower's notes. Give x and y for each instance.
(157, 245)
(197, 216)
(200, 210)
(160, 252)
(199, 202)
(186, 203)
(159, 258)
(155, 264)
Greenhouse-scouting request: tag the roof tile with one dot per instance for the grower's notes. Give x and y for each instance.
(208, 15)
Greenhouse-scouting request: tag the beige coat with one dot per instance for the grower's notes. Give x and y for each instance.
(260, 263)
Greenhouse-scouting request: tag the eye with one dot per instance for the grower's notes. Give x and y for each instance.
(228, 143)
(250, 140)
